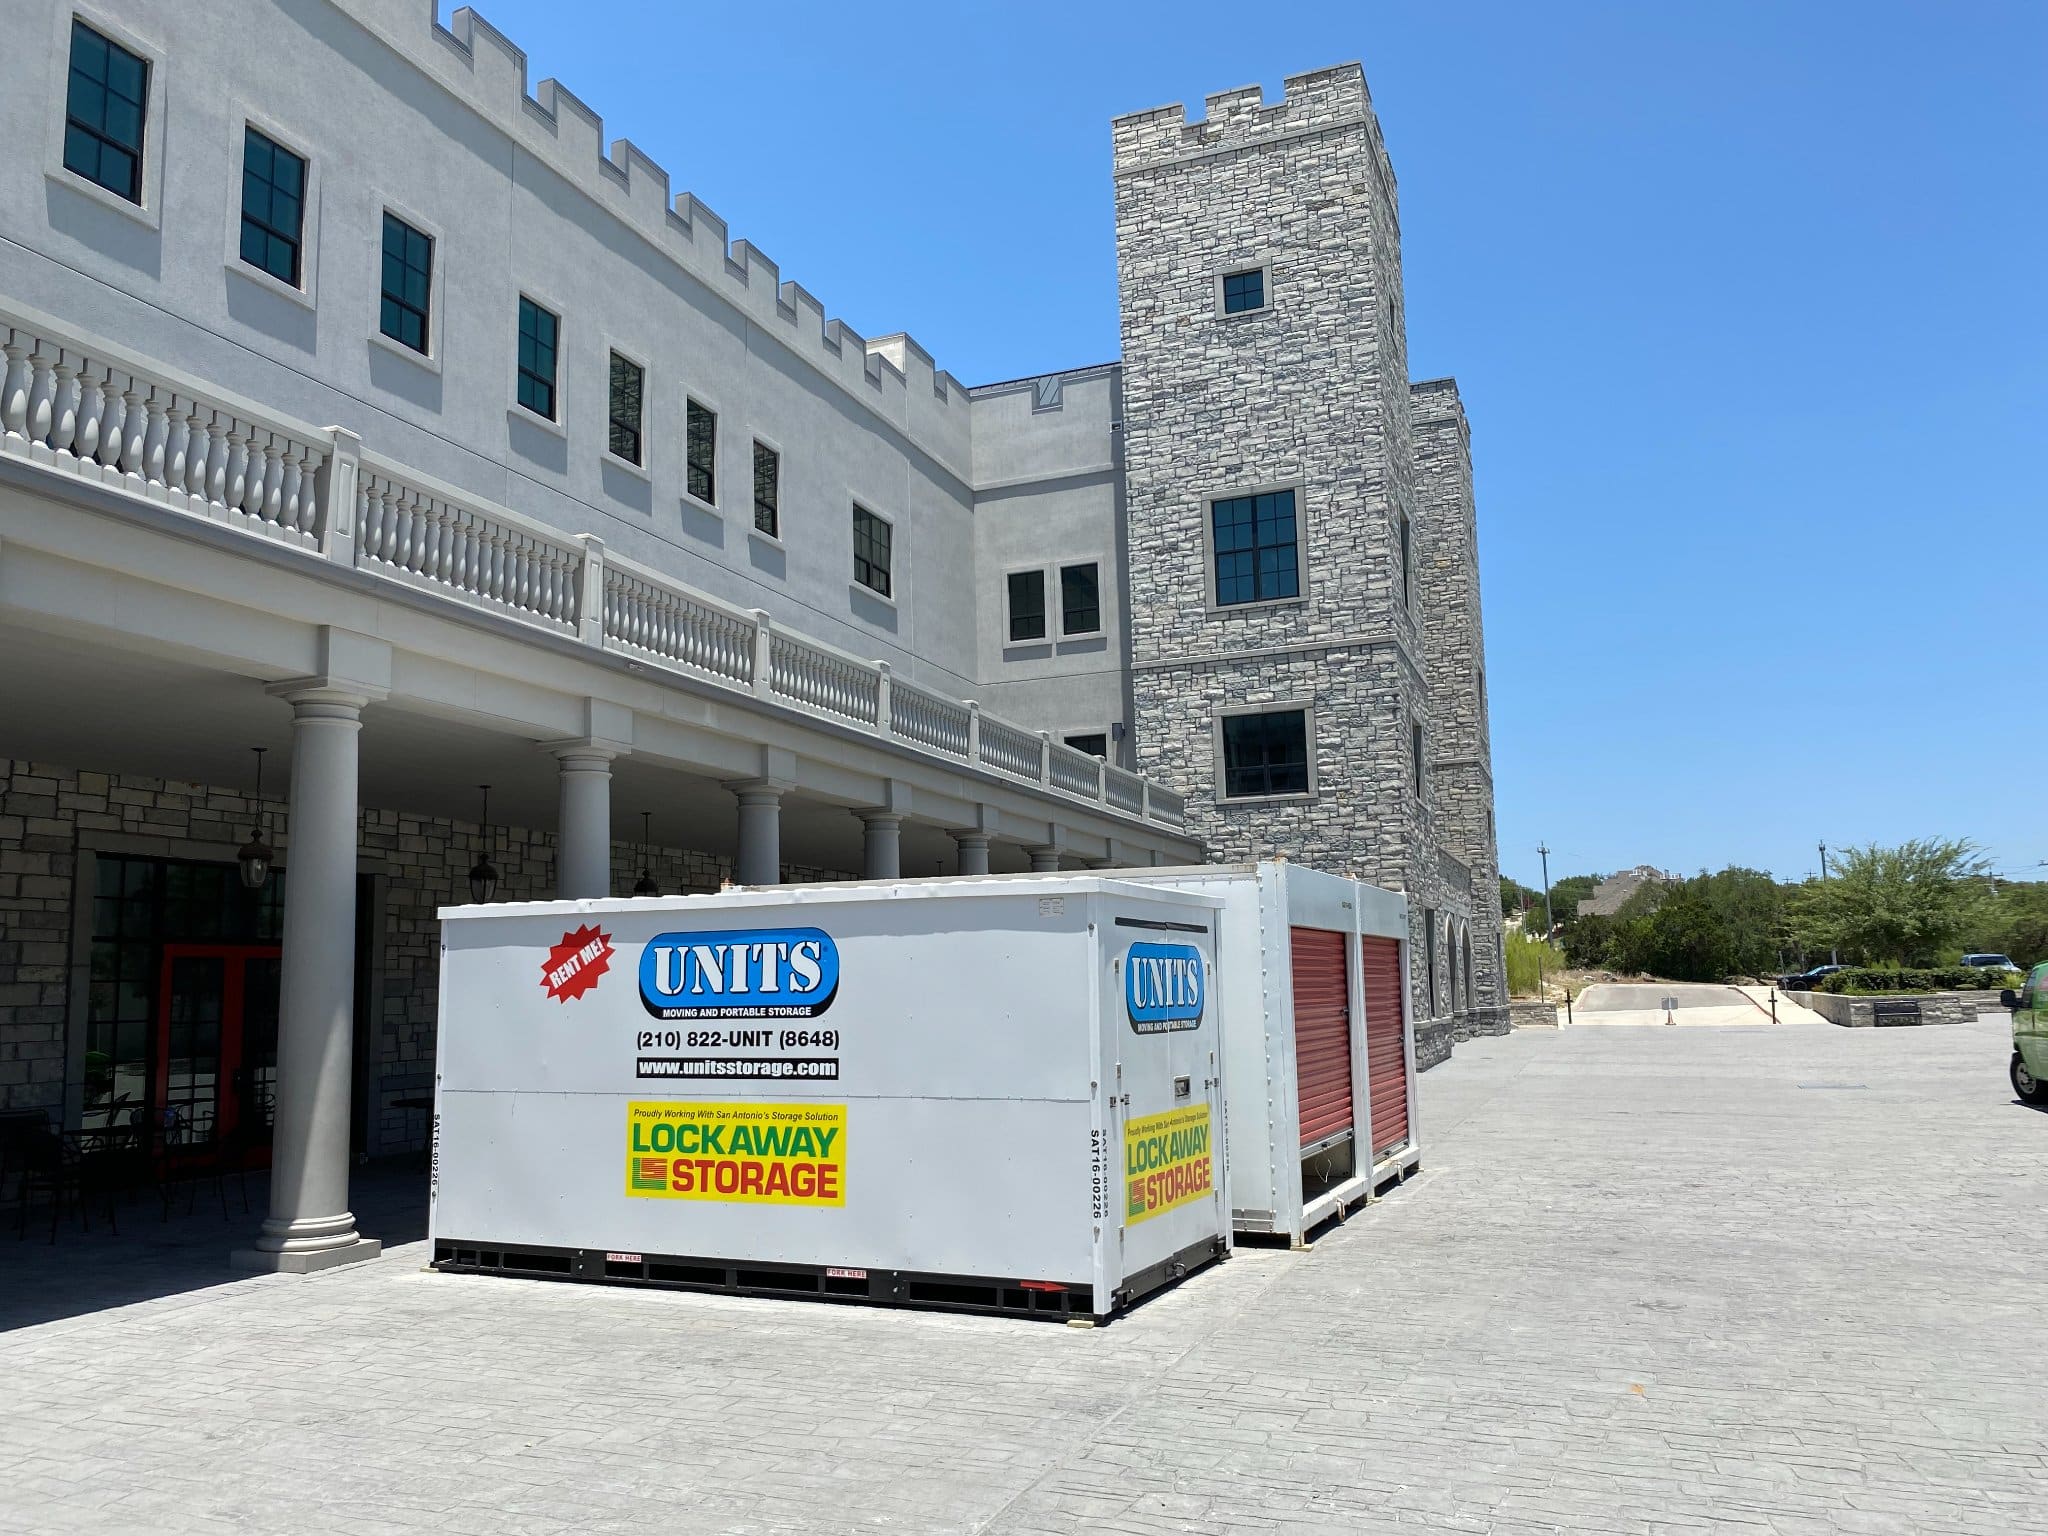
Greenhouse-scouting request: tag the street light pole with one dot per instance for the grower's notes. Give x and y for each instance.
(1549, 920)
(1834, 955)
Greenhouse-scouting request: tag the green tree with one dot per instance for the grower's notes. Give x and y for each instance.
(1565, 896)
(1514, 895)
(2018, 922)
(1892, 905)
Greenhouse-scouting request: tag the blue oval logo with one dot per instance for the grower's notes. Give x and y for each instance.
(1163, 987)
(747, 973)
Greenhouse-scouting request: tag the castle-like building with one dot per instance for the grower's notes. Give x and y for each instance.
(369, 408)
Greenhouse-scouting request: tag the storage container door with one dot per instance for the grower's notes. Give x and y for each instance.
(1322, 1034)
(1387, 1061)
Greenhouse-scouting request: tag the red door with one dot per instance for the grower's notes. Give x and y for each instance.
(1322, 1033)
(216, 1043)
(1386, 1059)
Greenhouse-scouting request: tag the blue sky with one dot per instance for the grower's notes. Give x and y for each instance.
(1745, 300)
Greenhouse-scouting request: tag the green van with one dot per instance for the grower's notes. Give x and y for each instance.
(2029, 1008)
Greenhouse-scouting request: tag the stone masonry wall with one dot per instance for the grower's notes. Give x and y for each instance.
(1311, 393)
(420, 864)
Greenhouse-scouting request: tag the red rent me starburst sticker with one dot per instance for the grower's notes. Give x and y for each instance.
(573, 966)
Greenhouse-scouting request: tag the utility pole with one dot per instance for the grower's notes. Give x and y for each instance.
(1549, 921)
(1834, 956)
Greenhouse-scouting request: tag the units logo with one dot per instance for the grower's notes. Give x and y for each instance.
(1166, 1162)
(1163, 987)
(751, 973)
(745, 1154)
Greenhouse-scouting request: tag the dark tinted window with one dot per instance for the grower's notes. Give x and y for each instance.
(1407, 560)
(628, 382)
(1265, 754)
(1256, 554)
(1095, 744)
(540, 332)
(1027, 605)
(700, 451)
(767, 490)
(1415, 751)
(871, 541)
(408, 282)
(273, 206)
(1080, 600)
(104, 111)
(1243, 291)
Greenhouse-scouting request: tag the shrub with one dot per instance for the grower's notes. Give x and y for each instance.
(1525, 953)
(1865, 981)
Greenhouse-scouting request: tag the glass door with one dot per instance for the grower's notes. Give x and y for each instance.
(216, 1043)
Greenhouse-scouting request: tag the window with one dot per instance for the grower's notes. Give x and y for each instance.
(1256, 554)
(1429, 953)
(871, 538)
(628, 389)
(700, 446)
(1415, 751)
(1243, 291)
(408, 281)
(1094, 743)
(767, 490)
(1027, 605)
(273, 206)
(540, 332)
(1407, 561)
(1080, 599)
(104, 110)
(1265, 754)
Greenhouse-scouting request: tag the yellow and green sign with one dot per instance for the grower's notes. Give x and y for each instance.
(1166, 1162)
(752, 1154)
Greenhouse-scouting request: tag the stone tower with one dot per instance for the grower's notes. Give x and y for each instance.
(1276, 531)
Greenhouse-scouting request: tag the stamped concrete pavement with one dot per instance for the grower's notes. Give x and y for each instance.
(1774, 1281)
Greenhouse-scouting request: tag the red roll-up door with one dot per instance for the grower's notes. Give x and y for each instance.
(1322, 1033)
(1386, 1060)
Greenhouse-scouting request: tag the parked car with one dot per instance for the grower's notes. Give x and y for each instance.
(1991, 962)
(2029, 1007)
(1804, 980)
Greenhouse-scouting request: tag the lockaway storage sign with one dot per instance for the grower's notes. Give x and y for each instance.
(750, 1154)
(1166, 1162)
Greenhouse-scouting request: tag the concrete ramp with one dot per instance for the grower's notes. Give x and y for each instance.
(1692, 1004)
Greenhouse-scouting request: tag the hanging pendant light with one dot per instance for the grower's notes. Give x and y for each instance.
(645, 885)
(483, 874)
(256, 856)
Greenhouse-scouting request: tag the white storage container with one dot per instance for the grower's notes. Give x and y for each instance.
(975, 1093)
(1318, 1053)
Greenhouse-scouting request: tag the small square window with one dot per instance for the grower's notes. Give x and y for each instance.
(540, 332)
(1265, 754)
(872, 537)
(105, 108)
(628, 390)
(767, 490)
(273, 206)
(1243, 291)
(1094, 743)
(1257, 556)
(1027, 605)
(408, 283)
(700, 452)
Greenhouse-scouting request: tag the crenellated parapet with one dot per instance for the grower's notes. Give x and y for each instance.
(487, 71)
(1242, 119)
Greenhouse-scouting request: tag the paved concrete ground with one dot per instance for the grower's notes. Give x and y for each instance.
(1643, 1003)
(1651, 1280)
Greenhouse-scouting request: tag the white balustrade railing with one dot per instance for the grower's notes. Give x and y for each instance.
(80, 407)
(87, 410)
(646, 614)
(833, 682)
(433, 540)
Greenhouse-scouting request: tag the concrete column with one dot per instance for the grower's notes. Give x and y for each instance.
(583, 837)
(1044, 859)
(310, 1226)
(760, 860)
(973, 852)
(881, 845)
